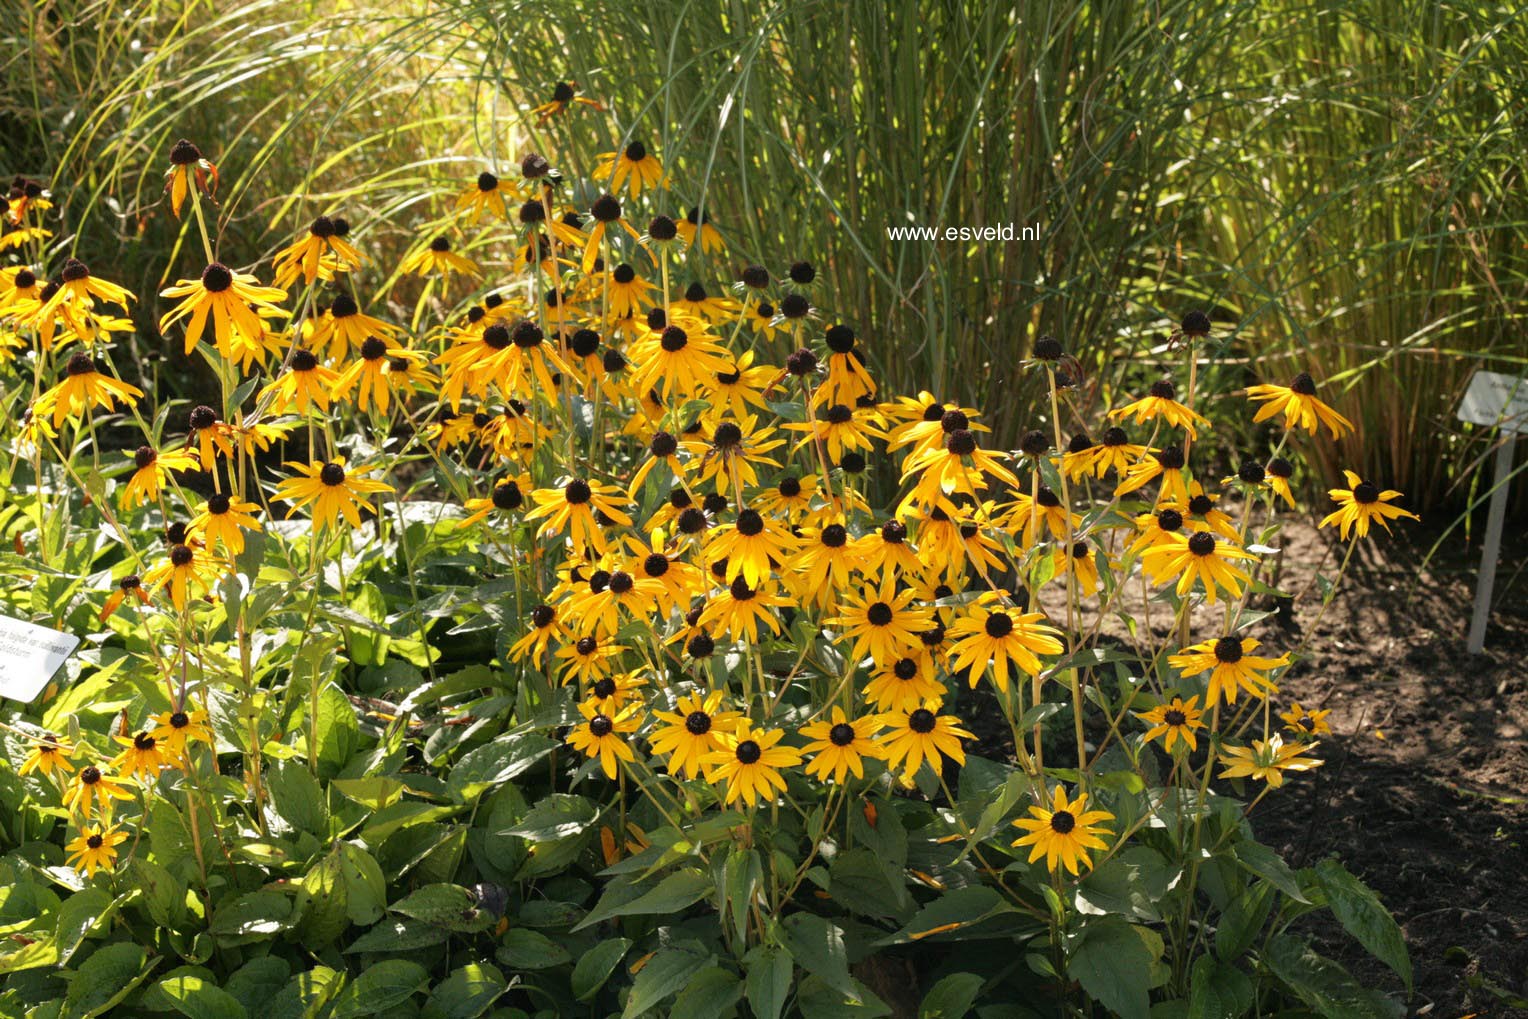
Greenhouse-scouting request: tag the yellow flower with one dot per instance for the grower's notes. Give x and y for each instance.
(188, 169)
(905, 684)
(92, 791)
(305, 385)
(693, 733)
(604, 737)
(564, 96)
(1176, 721)
(572, 508)
(95, 849)
(990, 636)
(913, 737)
(1198, 557)
(1064, 833)
(697, 225)
(1267, 760)
(49, 752)
(233, 300)
(740, 608)
(332, 489)
(545, 627)
(1232, 666)
(83, 387)
(1360, 504)
(1081, 559)
(303, 256)
(749, 762)
(1305, 722)
(752, 546)
(175, 730)
(437, 256)
(881, 621)
(588, 658)
(633, 168)
(1166, 464)
(1161, 402)
(485, 197)
(223, 520)
(142, 756)
(152, 470)
(188, 567)
(1299, 405)
(841, 745)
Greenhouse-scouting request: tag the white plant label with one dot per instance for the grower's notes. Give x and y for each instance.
(29, 656)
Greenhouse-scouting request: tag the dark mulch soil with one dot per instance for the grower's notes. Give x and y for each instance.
(1424, 793)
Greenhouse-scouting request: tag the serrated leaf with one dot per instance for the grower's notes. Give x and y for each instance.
(1362, 915)
(1113, 965)
(769, 980)
(596, 965)
(664, 974)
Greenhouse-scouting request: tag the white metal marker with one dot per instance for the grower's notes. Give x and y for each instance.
(1497, 401)
(29, 656)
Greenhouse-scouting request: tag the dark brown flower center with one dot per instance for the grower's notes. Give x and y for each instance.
(1062, 822)
(841, 735)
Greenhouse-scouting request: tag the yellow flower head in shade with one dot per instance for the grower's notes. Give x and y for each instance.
(223, 520)
(1299, 405)
(883, 623)
(1083, 559)
(1232, 667)
(912, 737)
(1306, 723)
(696, 224)
(841, 745)
(1174, 721)
(188, 169)
(305, 385)
(633, 169)
(437, 257)
(1267, 760)
(993, 636)
(749, 763)
(1279, 471)
(739, 609)
(232, 300)
(752, 546)
(49, 753)
(485, 197)
(323, 243)
(95, 849)
(564, 96)
(693, 732)
(905, 683)
(572, 508)
(1360, 504)
(1162, 402)
(546, 625)
(1064, 833)
(82, 388)
(1202, 557)
(93, 792)
(332, 489)
(604, 736)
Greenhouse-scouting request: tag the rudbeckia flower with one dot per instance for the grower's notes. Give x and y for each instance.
(49, 753)
(1267, 760)
(882, 622)
(141, 756)
(633, 169)
(839, 745)
(302, 257)
(739, 609)
(749, 763)
(438, 257)
(733, 451)
(305, 384)
(1232, 666)
(1174, 721)
(175, 730)
(1082, 559)
(151, 469)
(332, 489)
(485, 197)
(1115, 452)
(95, 848)
(1161, 402)
(606, 212)
(77, 286)
(1166, 464)
(959, 466)
(381, 367)
(345, 328)
(693, 733)
(1279, 471)
(1198, 557)
(1359, 504)
(93, 792)
(188, 169)
(695, 226)
(626, 292)
(564, 95)
(603, 736)
(572, 508)
(546, 626)
(992, 636)
(130, 585)
(231, 299)
(186, 569)
(81, 388)
(1064, 833)
(588, 658)
(753, 547)
(507, 496)
(1306, 723)
(912, 737)
(223, 520)
(1299, 405)
(682, 359)
(18, 283)
(905, 684)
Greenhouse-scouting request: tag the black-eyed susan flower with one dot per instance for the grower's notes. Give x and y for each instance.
(78, 286)
(1081, 558)
(990, 635)
(790, 497)
(1115, 452)
(1031, 517)
(186, 570)
(741, 386)
(623, 594)
(696, 225)
(697, 303)
(912, 737)
(1232, 667)
(130, 586)
(753, 547)
(734, 449)
(18, 284)
(50, 752)
(1202, 514)
(681, 359)
(1161, 402)
(345, 328)
(141, 756)
(188, 169)
(1267, 760)
(1166, 464)
(82, 388)
(609, 694)
(94, 848)
(606, 213)
(662, 448)
(626, 292)
(763, 318)
(1065, 832)
(507, 496)
(1159, 527)
(305, 385)
(848, 381)
(906, 683)
(839, 745)
(825, 563)
(302, 258)
(693, 732)
(222, 521)
(231, 300)
(882, 622)
(1173, 722)
(1199, 557)
(151, 470)
(749, 763)
(485, 197)
(1306, 723)
(564, 96)
(633, 169)
(437, 257)
(959, 466)
(572, 508)
(588, 658)
(546, 626)
(604, 736)
(175, 730)
(380, 367)
(1279, 471)
(1299, 405)
(739, 609)
(93, 793)
(333, 489)
(1359, 504)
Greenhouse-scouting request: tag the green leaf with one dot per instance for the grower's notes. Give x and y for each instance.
(365, 887)
(596, 965)
(1130, 884)
(676, 891)
(818, 946)
(531, 950)
(1362, 915)
(398, 936)
(297, 798)
(451, 907)
(769, 980)
(950, 913)
(380, 987)
(306, 994)
(162, 896)
(338, 733)
(253, 915)
(952, 997)
(1218, 990)
(79, 914)
(194, 996)
(323, 902)
(665, 973)
(467, 993)
(711, 992)
(1265, 863)
(104, 979)
(496, 763)
(1322, 984)
(558, 816)
(1243, 920)
(256, 983)
(1113, 965)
